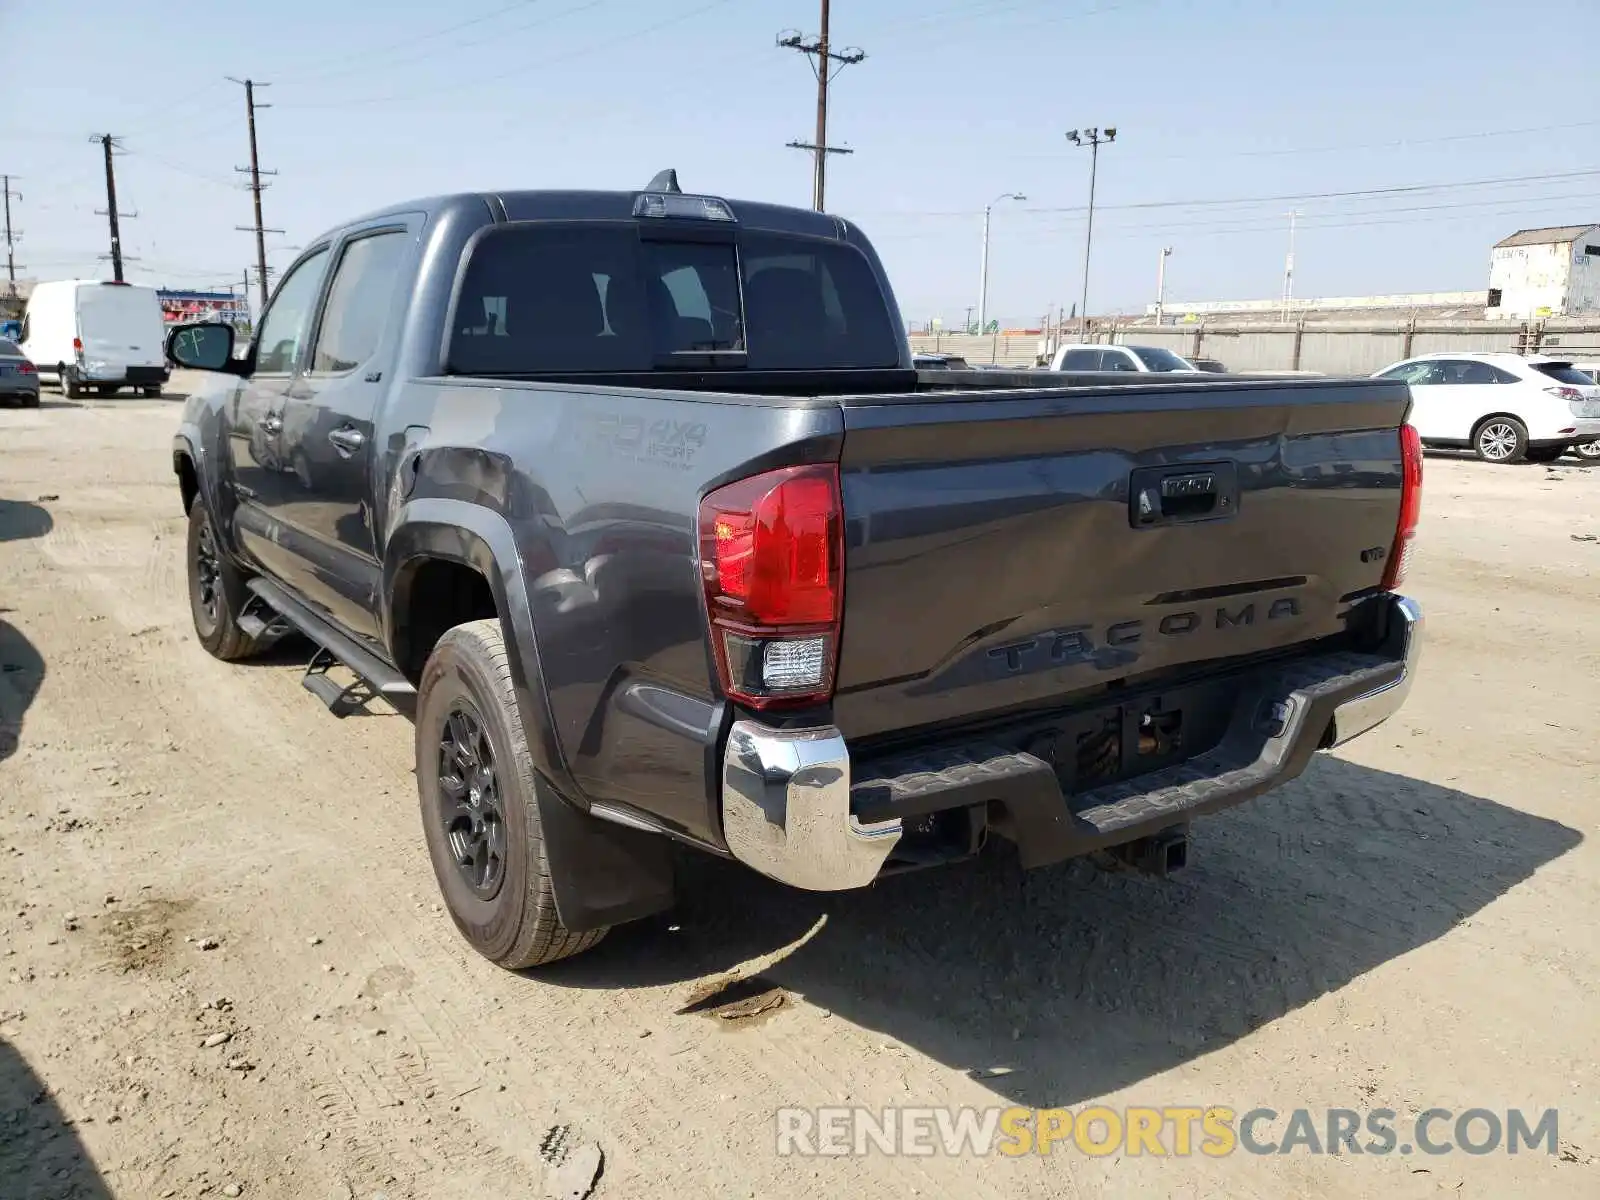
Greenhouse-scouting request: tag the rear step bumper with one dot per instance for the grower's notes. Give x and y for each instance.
(791, 809)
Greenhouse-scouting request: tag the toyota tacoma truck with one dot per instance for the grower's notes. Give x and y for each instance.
(635, 503)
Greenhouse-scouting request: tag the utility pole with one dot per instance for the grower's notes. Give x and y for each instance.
(11, 237)
(255, 172)
(108, 143)
(1091, 138)
(983, 283)
(825, 64)
(1161, 284)
(1288, 267)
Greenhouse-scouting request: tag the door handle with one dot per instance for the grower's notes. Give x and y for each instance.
(271, 423)
(347, 440)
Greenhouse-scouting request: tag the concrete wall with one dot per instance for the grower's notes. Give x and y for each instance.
(1349, 348)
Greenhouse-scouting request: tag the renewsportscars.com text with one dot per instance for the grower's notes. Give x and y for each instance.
(1179, 1131)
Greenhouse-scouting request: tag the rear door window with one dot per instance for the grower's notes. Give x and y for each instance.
(359, 300)
(1117, 360)
(596, 297)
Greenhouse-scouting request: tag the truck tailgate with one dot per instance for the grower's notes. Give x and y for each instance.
(1028, 549)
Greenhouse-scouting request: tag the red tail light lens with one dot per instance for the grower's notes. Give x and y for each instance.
(772, 557)
(27, 368)
(77, 345)
(1410, 507)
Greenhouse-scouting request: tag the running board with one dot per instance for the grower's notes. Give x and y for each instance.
(334, 646)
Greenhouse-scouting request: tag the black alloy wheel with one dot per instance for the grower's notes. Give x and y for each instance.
(470, 804)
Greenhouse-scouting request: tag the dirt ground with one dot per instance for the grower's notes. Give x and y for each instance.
(224, 970)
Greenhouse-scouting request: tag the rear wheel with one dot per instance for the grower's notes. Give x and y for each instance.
(1501, 440)
(31, 400)
(1545, 454)
(153, 392)
(70, 387)
(1588, 451)
(480, 797)
(216, 590)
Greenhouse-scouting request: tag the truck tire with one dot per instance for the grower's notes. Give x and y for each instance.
(216, 590)
(1500, 440)
(480, 795)
(70, 387)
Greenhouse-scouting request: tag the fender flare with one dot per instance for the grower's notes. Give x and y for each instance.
(601, 873)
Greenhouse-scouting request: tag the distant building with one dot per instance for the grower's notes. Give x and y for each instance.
(181, 307)
(1538, 273)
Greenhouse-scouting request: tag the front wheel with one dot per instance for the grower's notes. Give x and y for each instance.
(216, 590)
(1501, 440)
(480, 796)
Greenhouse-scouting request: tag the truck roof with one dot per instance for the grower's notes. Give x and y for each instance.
(579, 205)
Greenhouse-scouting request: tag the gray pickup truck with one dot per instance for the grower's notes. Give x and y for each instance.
(636, 504)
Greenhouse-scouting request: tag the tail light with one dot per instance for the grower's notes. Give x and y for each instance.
(772, 558)
(1566, 393)
(27, 368)
(77, 348)
(1410, 507)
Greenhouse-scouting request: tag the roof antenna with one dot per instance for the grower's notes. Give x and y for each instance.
(665, 181)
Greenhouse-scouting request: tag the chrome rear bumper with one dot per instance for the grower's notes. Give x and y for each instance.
(787, 808)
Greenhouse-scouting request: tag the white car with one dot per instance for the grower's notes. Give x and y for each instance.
(1505, 407)
(1589, 451)
(1085, 357)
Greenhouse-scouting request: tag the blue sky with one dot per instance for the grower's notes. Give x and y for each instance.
(1222, 102)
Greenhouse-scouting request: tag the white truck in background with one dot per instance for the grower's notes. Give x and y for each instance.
(96, 335)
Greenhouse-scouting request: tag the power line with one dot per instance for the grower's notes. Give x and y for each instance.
(536, 63)
(825, 63)
(108, 143)
(1405, 189)
(255, 172)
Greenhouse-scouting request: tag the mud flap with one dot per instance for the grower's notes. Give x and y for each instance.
(602, 874)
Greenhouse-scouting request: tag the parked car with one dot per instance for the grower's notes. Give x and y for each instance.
(1211, 366)
(91, 334)
(637, 502)
(1504, 407)
(19, 380)
(1588, 451)
(1142, 359)
(939, 362)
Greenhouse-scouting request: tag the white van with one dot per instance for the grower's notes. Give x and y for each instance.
(91, 334)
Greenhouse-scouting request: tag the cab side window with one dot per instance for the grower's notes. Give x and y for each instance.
(359, 300)
(288, 320)
(1081, 360)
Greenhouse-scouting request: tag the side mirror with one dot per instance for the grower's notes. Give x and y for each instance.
(204, 347)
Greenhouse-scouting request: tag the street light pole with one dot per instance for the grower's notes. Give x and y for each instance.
(983, 283)
(1091, 138)
(1161, 284)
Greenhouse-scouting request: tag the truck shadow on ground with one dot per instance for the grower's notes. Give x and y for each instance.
(1083, 982)
(41, 1155)
(22, 519)
(21, 665)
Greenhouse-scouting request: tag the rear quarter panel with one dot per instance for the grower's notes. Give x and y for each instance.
(601, 490)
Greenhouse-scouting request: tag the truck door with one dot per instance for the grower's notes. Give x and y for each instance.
(256, 418)
(328, 443)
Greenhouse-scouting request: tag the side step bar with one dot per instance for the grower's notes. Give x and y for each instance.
(333, 647)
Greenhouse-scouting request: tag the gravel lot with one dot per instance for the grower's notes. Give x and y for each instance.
(223, 969)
